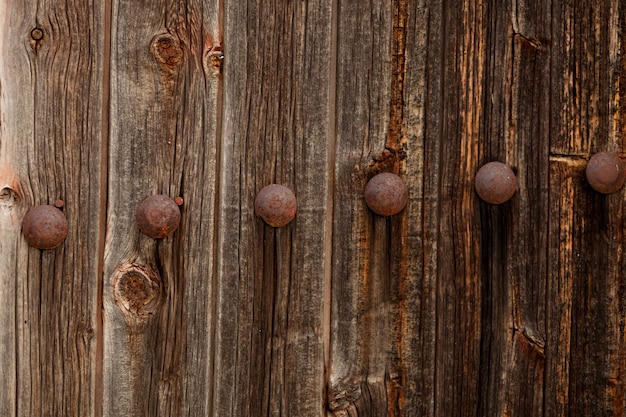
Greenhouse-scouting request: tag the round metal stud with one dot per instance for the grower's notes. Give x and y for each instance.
(158, 216)
(386, 194)
(495, 183)
(276, 205)
(44, 227)
(606, 172)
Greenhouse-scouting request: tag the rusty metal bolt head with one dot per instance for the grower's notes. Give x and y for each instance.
(606, 172)
(495, 183)
(276, 205)
(44, 227)
(386, 194)
(158, 216)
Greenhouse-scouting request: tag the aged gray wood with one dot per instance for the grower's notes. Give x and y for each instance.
(50, 148)
(165, 124)
(422, 124)
(13, 183)
(454, 307)
(363, 288)
(278, 103)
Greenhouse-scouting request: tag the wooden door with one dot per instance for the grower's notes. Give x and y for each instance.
(454, 307)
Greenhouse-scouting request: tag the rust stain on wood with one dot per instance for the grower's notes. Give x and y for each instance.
(213, 59)
(12, 199)
(395, 145)
(395, 139)
(167, 52)
(137, 291)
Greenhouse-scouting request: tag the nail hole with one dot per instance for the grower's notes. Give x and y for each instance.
(36, 34)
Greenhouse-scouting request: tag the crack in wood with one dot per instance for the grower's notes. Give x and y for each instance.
(394, 144)
(529, 339)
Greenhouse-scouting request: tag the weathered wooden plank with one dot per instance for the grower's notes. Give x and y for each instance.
(270, 306)
(526, 231)
(157, 294)
(585, 332)
(566, 187)
(584, 66)
(364, 273)
(16, 92)
(51, 63)
(459, 280)
(422, 121)
(514, 238)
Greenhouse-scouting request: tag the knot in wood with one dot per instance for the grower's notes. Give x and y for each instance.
(276, 205)
(495, 183)
(606, 172)
(137, 290)
(386, 194)
(36, 34)
(44, 227)
(36, 38)
(214, 59)
(343, 395)
(8, 197)
(167, 51)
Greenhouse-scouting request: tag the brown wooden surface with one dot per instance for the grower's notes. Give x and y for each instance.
(51, 147)
(158, 295)
(452, 308)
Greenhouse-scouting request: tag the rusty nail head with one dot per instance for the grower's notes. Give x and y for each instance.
(179, 201)
(386, 194)
(495, 183)
(59, 204)
(276, 205)
(158, 216)
(606, 172)
(44, 227)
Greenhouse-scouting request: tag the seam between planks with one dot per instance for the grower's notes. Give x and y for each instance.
(103, 190)
(331, 141)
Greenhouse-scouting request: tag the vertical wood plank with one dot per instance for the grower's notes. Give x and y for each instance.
(270, 354)
(422, 122)
(459, 281)
(585, 331)
(50, 148)
(364, 273)
(564, 191)
(514, 237)
(157, 294)
(584, 68)
(528, 236)
(16, 92)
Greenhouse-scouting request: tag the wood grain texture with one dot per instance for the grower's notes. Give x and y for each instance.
(270, 354)
(453, 307)
(421, 128)
(163, 140)
(585, 331)
(514, 238)
(50, 148)
(364, 281)
(460, 288)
